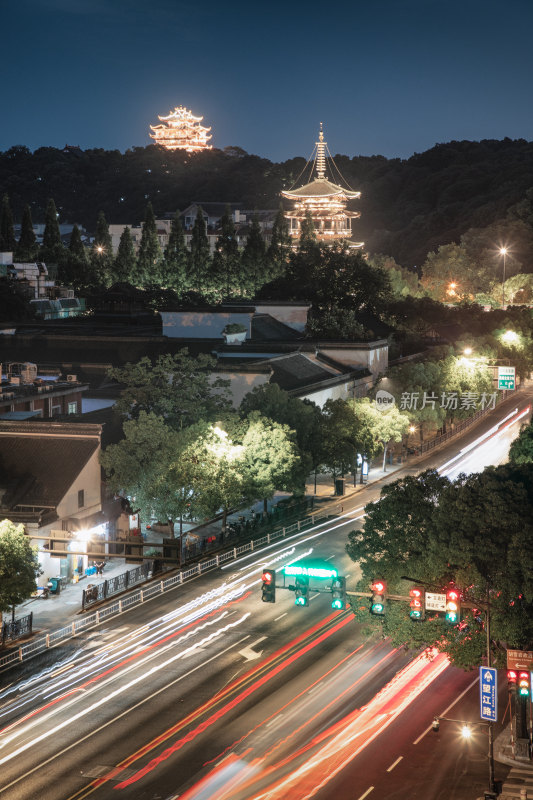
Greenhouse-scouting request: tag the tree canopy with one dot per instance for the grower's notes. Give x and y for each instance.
(19, 566)
(475, 534)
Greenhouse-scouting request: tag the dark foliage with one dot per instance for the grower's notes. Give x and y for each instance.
(408, 207)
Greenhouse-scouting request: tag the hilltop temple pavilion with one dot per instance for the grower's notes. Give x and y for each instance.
(181, 130)
(324, 200)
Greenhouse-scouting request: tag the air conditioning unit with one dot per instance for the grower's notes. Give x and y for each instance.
(72, 378)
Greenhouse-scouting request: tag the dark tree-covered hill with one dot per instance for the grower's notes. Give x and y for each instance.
(408, 207)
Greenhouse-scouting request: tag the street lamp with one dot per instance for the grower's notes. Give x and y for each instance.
(467, 351)
(503, 252)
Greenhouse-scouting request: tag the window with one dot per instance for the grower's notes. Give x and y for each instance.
(81, 498)
(73, 408)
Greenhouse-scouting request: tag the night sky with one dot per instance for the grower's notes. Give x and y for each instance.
(385, 76)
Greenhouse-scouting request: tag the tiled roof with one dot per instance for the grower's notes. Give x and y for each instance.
(266, 327)
(296, 370)
(320, 187)
(38, 470)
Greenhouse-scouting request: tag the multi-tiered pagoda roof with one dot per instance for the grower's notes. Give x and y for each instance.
(324, 201)
(181, 130)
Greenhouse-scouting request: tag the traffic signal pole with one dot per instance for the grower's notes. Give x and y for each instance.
(492, 784)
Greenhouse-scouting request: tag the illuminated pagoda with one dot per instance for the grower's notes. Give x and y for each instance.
(324, 200)
(181, 131)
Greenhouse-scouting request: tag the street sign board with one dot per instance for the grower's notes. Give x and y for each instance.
(488, 694)
(506, 378)
(311, 572)
(435, 602)
(520, 659)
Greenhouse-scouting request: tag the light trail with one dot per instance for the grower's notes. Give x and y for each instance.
(122, 689)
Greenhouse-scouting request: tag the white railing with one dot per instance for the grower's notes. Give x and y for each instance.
(139, 596)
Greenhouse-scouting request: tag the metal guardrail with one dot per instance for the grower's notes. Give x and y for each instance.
(16, 628)
(115, 585)
(38, 645)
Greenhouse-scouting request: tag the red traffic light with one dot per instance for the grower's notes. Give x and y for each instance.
(267, 576)
(452, 594)
(511, 676)
(378, 587)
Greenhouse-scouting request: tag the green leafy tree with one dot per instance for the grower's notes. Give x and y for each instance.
(125, 266)
(19, 566)
(307, 242)
(253, 259)
(175, 259)
(342, 437)
(336, 323)
(301, 416)
(52, 249)
(521, 451)
(280, 245)
(74, 269)
(149, 256)
(421, 383)
(8, 242)
(384, 426)
(225, 269)
(176, 387)
(101, 258)
(475, 534)
(27, 248)
(271, 458)
(199, 258)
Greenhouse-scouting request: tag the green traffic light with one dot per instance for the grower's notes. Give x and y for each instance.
(337, 604)
(524, 692)
(415, 614)
(378, 608)
(451, 616)
(300, 601)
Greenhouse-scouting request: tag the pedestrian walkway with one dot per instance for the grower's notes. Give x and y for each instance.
(519, 784)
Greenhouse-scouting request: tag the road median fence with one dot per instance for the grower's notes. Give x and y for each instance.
(44, 641)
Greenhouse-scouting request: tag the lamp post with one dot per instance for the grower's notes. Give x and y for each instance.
(503, 252)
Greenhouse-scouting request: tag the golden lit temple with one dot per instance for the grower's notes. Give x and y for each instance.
(324, 200)
(181, 131)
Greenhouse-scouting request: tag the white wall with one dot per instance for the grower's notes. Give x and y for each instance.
(293, 315)
(201, 324)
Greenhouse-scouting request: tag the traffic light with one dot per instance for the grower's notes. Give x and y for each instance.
(338, 593)
(417, 603)
(268, 589)
(524, 684)
(453, 606)
(379, 589)
(512, 678)
(301, 590)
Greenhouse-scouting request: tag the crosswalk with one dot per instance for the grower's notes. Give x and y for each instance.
(518, 780)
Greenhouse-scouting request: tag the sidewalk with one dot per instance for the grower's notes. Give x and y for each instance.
(58, 610)
(520, 777)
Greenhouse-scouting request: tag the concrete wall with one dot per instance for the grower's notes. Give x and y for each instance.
(241, 382)
(202, 324)
(348, 390)
(293, 315)
(374, 355)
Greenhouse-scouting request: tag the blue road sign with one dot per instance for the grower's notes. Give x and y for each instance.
(488, 694)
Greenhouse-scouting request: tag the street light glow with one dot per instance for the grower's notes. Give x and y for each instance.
(503, 251)
(466, 732)
(467, 351)
(510, 337)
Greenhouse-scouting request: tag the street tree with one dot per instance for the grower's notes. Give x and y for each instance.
(149, 255)
(8, 242)
(271, 458)
(176, 387)
(342, 438)
(383, 426)
(474, 534)
(19, 566)
(74, 269)
(521, 451)
(27, 248)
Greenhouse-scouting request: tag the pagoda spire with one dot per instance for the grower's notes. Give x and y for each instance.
(321, 155)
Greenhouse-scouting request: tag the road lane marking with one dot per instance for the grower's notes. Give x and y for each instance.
(283, 615)
(249, 653)
(119, 716)
(395, 763)
(371, 789)
(445, 712)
